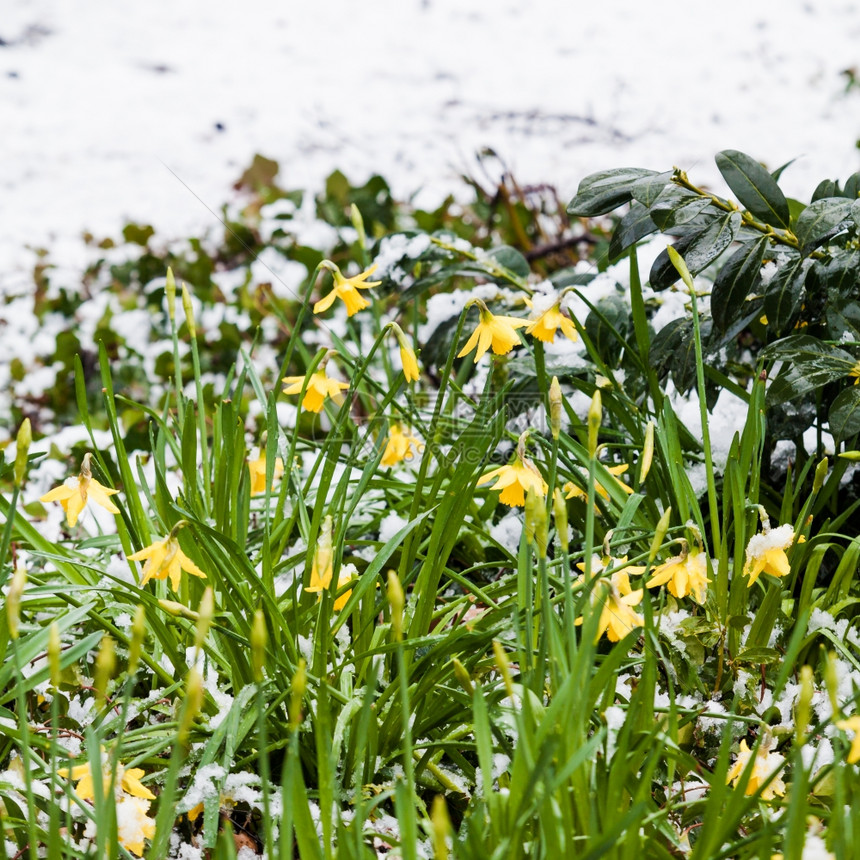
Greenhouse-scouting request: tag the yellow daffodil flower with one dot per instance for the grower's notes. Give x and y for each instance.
(544, 326)
(410, 363)
(257, 468)
(127, 780)
(765, 763)
(74, 494)
(685, 574)
(615, 597)
(322, 568)
(347, 289)
(498, 332)
(165, 558)
(320, 386)
(514, 481)
(399, 446)
(572, 491)
(852, 724)
(766, 553)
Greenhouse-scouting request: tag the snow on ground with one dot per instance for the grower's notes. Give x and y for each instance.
(149, 111)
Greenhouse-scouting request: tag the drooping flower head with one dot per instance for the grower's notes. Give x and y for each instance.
(852, 724)
(684, 574)
(614, 596)
(322, 569)
(766, 552)
(765, 764)
(399, 445)
(132, 800)
(74, 494)
(165, 559)
(544, 324)
(407, 355)
(572, 491)
(257, 468)
(320, 385)
(347, 289)
(514, 480)
(498, 332)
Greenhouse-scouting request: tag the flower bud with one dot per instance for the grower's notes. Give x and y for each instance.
(441, 825)
(820, 475)
(504, 666)
(13, 600)
(105, 665)
(462, 675)
(178, 610)
(555, 405)
(189, 311)
(559, 512)
(24, 438)
(138, 635)
(297, 691)
(358, 224)
(259, 637)
(647, 452)
(170, 293)
(659, 534)
(205, 614)
(396, 600)
(55, 647)
(595, 415)
(804, 704)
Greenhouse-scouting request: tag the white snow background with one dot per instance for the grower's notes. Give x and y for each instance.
(112, 110)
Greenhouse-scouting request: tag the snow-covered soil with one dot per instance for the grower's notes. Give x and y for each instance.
(149, 111)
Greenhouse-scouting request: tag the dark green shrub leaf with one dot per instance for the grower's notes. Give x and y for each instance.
(855, 212)
(825, 188)
(663, 274)
(606, 190)
(609, 313)
(852, 187)
(813, 364)
(677, 206)
(759, 655)
(510, 259)
(649, 188)
(739, 277)
(817, 222)
(754, 187)
(844, 415)
(635, 225)
(666, 341)
(711, 242)
(782, 299)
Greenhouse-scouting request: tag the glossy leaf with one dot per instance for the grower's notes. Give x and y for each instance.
(819, 219)
(844, 415)
(739, 277)
(711, 242)
(606, 190)
(510, 259)
(825, 188)
(813, 365)
(677, 206)
(783, 296)
(754, 186)
(647, 189)
(635, 225)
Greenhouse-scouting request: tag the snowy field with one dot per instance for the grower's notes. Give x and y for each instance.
(150, 111)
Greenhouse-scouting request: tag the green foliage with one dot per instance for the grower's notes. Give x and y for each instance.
(615, 672)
